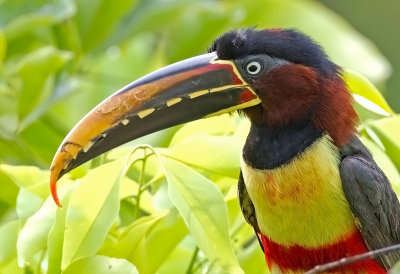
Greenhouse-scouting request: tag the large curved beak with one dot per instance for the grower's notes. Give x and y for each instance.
(191, 89)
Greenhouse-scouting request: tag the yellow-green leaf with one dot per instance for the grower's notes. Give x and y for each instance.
(366, 94)
(219, 125)
(93, 208)
(30, 177)
(388, 131)
(217, 154)
(8, 240)
(101, 265)
(203, 209)
(33, 236)
(132, 235)
(385, 163)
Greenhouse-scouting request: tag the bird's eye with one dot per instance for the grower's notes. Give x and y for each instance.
(254, 67)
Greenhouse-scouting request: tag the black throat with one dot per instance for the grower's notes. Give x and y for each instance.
(268, 147)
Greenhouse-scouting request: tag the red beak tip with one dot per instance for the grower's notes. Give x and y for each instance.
(53, 189)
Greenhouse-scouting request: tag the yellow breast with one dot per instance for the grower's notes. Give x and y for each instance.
(301, 202)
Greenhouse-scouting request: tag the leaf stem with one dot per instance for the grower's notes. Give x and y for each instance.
(193, 260)
(154, 180)
(140, 183)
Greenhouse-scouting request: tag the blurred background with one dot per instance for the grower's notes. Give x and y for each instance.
(378, 21)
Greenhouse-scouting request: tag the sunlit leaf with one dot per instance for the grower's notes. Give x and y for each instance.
(9, 190)
(178, 260)
(8, 240)
(218, 154)
(129, 188)
(3, 48)
(132, 235)
(169, 231)
(385, 163)
(366, 94)
(34, 234)
(27, 204)
(31, 178)
(388, 131)
(203, 209)
(92, 209)
(55, 238)
(101, 265)
(12, 267)
(219, 125)
(252, 260)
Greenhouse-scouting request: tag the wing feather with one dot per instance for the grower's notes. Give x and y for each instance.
(372, 200)
(247, 207)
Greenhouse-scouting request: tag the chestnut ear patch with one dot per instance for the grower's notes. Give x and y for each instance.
(335, 114)
(287, 93)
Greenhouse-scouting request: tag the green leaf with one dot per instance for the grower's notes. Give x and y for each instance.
(32, 137)
(27, 204)
(384, 163)
(93, 208)
(19, 17)
(218, 125)
(178, 261)
(9, 191)
(31, 178)
(388, 131)
(33, 236)
(55, 239)
(129, 188)
(252, 260)
(148, 15)
(8, 109)
(366, 94)
(169, 231)
(12, 267)
(3, 48)
(8, 112)
(242, 130)
(101, 265)
(132, 235)
(36, 71)
(8, 240)
(97, 18)
(203, 209)
(217, 154)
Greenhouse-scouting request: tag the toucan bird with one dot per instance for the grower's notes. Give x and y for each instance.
(308, 186)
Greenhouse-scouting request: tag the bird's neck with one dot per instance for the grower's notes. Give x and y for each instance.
(268, 147)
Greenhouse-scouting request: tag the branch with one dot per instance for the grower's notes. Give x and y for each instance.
(352, 259)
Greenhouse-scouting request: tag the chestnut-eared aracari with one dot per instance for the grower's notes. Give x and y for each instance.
(308, 186)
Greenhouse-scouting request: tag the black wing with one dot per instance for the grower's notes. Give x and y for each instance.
(372, 200)
(247, 207)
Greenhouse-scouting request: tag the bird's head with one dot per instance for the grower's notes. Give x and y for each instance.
(293, 78)
(275, 76)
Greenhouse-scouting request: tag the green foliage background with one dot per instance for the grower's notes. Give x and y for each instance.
(168, 206)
